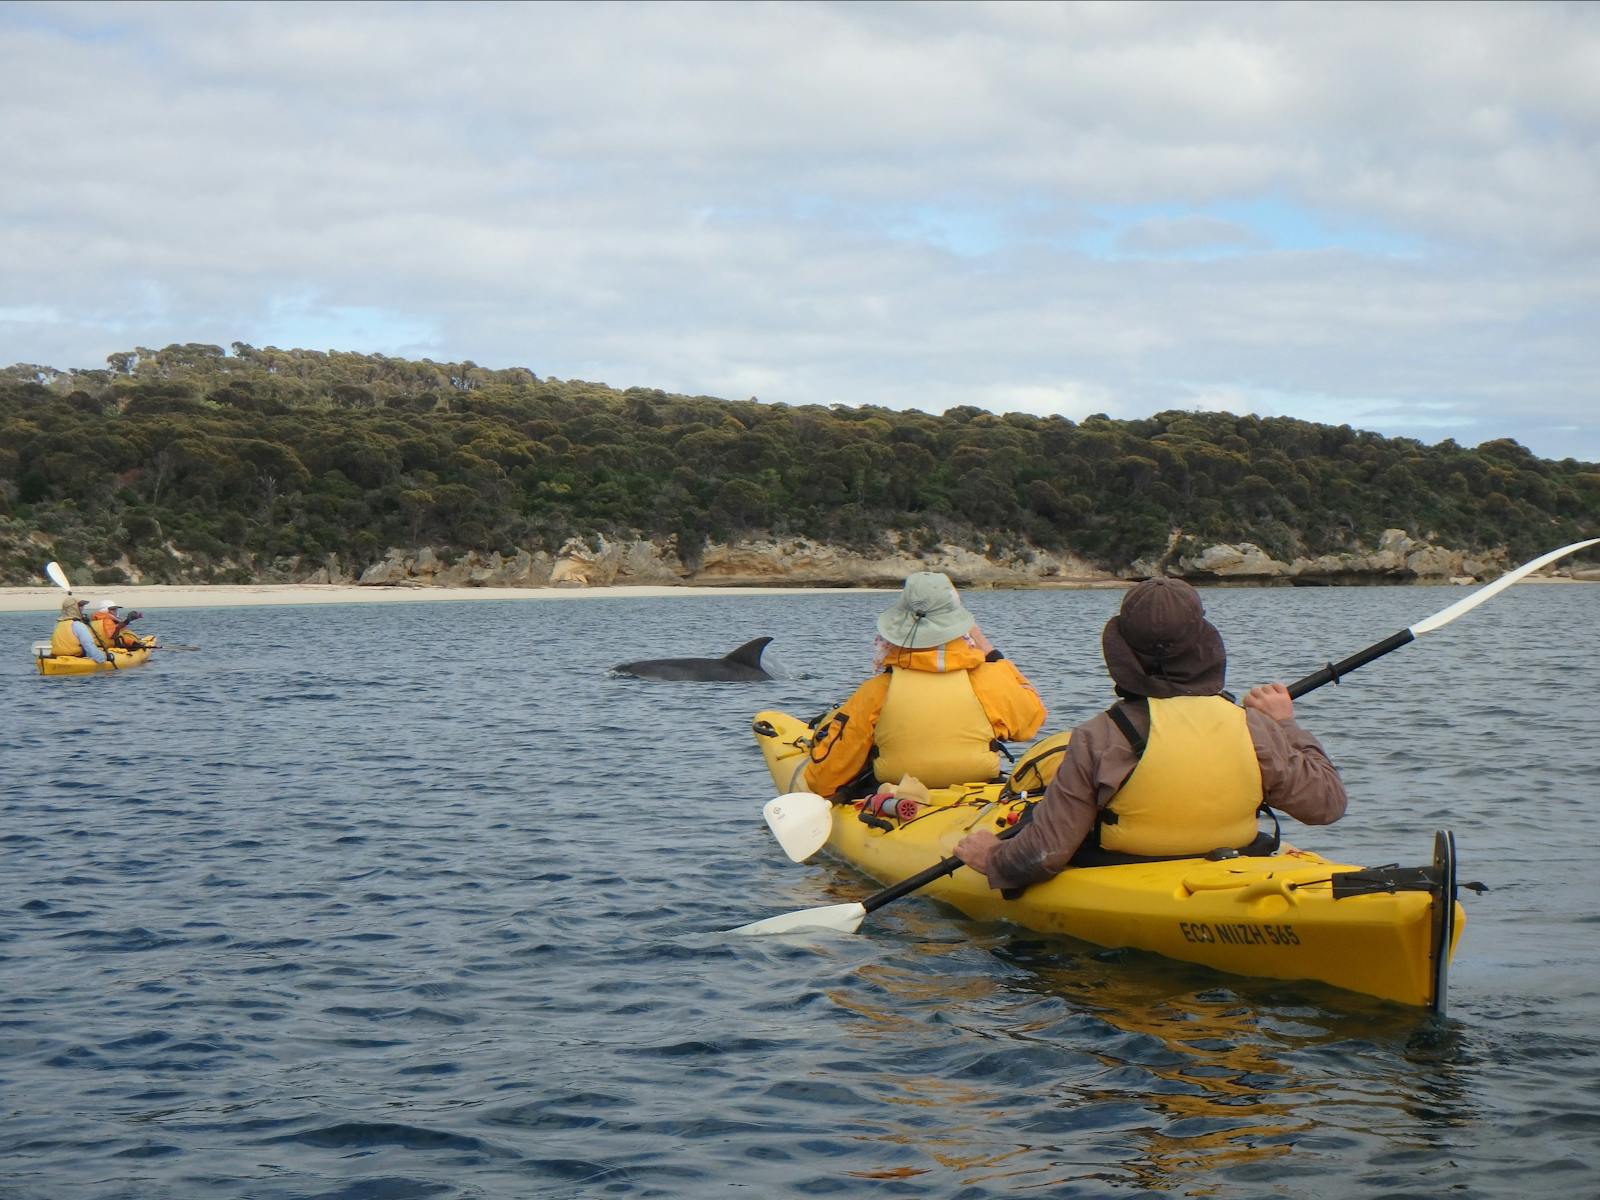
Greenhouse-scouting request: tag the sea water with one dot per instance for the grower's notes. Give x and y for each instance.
(419, 900)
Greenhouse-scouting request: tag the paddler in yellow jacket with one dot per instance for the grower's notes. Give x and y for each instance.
(942, 701)
(1175, 768)
(72, 637)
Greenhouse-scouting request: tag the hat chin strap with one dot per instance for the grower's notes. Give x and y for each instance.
(911, 636)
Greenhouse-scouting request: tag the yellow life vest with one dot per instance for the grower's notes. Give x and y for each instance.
(933, 727)
(63, 642)
(1197, 786)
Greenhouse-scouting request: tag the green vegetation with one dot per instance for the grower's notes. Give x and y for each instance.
(198, 465)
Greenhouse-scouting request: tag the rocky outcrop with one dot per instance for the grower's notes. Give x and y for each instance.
(595, 561)
(331, 571)
(801, 561)
(600, 562)
(1397, 558)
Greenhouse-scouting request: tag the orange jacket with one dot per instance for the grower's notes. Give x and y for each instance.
(107, 633)
(1007, 708)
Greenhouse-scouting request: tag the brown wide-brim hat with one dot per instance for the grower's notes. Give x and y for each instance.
(1161, 645)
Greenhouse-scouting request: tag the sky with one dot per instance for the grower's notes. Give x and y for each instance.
(1386, 215)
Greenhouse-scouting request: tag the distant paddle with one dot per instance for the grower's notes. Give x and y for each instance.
(800, 816)
(59, 578)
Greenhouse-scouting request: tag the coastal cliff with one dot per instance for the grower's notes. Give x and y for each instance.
(597, 562)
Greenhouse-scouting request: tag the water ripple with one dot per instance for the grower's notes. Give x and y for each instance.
(455, 929)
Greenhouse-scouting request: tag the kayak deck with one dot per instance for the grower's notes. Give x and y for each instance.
(1278, 917)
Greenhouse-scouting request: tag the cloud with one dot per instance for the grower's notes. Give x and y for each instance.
(1369, 213)
(1186, 235)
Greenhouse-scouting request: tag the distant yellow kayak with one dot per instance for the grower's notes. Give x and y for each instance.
(78, 664)
(1292, 915)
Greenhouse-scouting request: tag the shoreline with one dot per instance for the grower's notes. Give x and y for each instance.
(239, 595)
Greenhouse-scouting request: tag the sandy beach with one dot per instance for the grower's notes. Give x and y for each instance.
(155, 597)
(150, 598)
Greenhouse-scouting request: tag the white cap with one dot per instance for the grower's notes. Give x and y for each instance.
(105, 604)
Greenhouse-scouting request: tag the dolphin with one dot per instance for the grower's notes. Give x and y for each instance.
(742, 666)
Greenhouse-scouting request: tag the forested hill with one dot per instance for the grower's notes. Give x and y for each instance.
(192, 463)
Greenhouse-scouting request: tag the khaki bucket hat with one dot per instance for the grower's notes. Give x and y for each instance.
(927, 613)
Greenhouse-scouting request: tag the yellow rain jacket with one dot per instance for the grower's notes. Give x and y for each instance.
(63, 642)
(1197, 785)
(934, 714)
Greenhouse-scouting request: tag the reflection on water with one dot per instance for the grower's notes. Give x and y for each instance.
(1110, 1067)
(1235, 1079)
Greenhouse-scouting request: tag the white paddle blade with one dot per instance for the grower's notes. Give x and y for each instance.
(57, 576)
(801, 821)
(1465, 605)
(836, 918)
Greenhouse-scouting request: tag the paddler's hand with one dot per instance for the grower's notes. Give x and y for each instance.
(1272, 699)
(975, 848)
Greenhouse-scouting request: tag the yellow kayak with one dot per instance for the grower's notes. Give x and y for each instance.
(78, 664)
(1387, 932)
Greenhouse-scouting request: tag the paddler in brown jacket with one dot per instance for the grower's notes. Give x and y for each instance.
(1174, 768)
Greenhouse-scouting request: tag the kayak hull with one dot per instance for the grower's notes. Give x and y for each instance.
(77, 664)
(1274, 917)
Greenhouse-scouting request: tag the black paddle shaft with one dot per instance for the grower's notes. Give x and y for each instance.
(905, 887)
(1333, 672)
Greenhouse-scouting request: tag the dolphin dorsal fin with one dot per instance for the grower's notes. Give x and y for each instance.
(749, 654)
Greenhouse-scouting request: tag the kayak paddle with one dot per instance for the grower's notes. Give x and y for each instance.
(801, 821)
(847, 918)
(806, 819)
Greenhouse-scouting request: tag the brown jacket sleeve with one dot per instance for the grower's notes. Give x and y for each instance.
(1098, 761)
(1297, 778)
